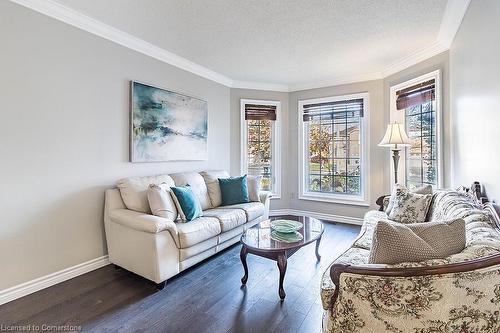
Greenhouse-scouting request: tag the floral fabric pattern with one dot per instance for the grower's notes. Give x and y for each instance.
(409, 207)
(456, 302)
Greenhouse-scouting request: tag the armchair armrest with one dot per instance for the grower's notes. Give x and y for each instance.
(264, 196)
(142, 222)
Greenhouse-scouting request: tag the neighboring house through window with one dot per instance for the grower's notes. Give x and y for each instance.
(416, 105)
(260, 142)
(333, 159)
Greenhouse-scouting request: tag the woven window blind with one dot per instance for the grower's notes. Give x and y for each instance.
(337, 110)
(260, 112)
(415, 95)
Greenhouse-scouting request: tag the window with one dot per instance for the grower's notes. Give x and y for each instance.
(260, 136)
(333, 145)
(417, 106)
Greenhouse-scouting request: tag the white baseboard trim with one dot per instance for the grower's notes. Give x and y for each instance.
(46, 281)
(320, 216)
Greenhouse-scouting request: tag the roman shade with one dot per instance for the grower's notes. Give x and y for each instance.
(415, 95)
(260, 112)
(335, 110)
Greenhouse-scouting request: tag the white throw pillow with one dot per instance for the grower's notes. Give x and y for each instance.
(427, 189)
(409, 207)
(134, 191)
(253, 185)
(212, 181)
(161, 202)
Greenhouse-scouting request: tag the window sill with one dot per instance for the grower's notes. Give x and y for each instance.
(355, 201)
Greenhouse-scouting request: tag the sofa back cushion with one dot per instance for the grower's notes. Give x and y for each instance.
(212, 182)
(134, 191)
(161, 201)
(197, 184)
(395, 242)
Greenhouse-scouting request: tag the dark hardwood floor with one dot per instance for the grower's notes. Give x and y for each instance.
(206, 298)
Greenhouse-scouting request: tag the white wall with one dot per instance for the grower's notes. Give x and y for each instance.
(64, 130)
(475, 97)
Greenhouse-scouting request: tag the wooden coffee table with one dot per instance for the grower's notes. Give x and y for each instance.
(257, 240)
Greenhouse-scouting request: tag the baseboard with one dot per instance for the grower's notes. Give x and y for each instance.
(46, 281)
(320, 216)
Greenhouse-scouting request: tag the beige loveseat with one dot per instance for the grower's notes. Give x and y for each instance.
(157, 248)
(459, 293)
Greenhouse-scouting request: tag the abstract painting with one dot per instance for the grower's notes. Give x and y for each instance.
(167, 126)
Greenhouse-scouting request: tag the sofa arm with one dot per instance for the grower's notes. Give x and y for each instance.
(142, 222)
(264, 196)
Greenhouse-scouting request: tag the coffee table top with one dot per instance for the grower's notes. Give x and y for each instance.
(258, 237)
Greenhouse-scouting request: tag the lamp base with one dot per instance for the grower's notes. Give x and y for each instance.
(395, 158)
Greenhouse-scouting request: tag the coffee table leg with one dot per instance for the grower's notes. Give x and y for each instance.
(282, 268)
(317, 249)
(243, 257)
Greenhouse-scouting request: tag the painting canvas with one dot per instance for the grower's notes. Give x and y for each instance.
(167, 126)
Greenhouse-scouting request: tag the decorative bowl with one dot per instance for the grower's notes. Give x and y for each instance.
(289, 237)
(285, 226)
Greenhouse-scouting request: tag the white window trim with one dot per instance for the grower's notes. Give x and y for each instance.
(276, 143)
(400, 118)
(359, 200)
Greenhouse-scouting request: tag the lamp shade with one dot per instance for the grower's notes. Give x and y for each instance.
(394, 136)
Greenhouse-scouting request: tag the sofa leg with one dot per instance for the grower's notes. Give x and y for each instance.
(161, 285)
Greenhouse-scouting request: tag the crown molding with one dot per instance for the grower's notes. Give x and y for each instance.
(336, 81)
(453, 15)
(260, 86)
(414, 59)
(452, 19)
(86, 23)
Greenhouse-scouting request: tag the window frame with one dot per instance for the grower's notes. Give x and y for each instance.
(275, 144)
(362, 199)
(399, 116)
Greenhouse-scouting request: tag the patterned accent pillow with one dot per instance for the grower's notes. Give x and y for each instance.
(409, 207)
(427, 189)
(395, 243)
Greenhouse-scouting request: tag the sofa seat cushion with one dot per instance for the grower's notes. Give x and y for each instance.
(197, 184)
(134, 191)
(228, 218)
(252, 210)
(196, 231)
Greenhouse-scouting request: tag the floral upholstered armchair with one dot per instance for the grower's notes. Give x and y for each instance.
(458, 293)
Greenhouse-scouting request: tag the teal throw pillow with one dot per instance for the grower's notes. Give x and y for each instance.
(187, 203)
(234, 190)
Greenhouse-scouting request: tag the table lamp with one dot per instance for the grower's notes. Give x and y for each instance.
(395, 137)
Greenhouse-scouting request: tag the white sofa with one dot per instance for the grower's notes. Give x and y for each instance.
(157, 248)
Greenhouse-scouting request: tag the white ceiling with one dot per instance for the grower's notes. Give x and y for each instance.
(287, 44)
